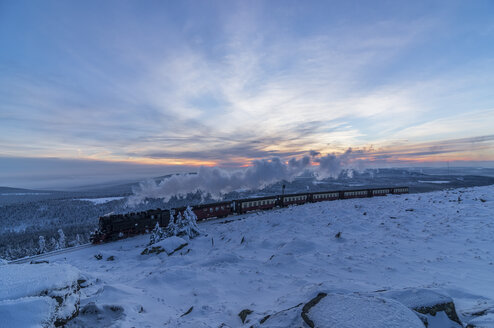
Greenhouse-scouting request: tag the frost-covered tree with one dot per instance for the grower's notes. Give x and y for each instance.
(61, 239)
(41, 244)
(77, 240)
(187, 224)
(171, 228)
(157, 234)
(54, 244)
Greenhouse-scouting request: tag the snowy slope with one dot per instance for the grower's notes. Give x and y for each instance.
(272, 261)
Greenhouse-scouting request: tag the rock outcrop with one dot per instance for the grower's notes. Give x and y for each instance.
(432, 307)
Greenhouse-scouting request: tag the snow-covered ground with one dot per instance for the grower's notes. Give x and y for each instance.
(272, 261)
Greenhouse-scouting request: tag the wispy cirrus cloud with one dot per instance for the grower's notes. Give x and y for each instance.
(239, 85)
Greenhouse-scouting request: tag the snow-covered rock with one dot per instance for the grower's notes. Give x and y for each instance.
(357, 311)
(21, 280)
(168, 245)
(51, 289)
(437, 310)
(33, 312)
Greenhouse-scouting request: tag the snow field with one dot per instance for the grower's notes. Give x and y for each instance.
(270, 261)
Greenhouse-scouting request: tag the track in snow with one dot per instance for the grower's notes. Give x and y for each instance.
(57, 252)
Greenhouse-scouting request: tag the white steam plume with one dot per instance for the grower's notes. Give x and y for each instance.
(217, 181)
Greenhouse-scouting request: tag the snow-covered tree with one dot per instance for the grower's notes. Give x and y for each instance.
(54, 243)
(61, 239)
(171, 228)
(187, 224)
(77, 240)
(42, 245)
(157, 234)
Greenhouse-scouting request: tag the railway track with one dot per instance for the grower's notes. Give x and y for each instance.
(49, 254)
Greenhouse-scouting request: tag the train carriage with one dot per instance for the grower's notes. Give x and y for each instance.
(215, 210)
(400, 190)
(325, 196)
(255, 204)
(380, 192)
(354, 194)
(295, 199)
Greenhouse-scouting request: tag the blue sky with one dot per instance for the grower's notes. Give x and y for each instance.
(186, 83)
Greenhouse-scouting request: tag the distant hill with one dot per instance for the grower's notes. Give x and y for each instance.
(9, 190)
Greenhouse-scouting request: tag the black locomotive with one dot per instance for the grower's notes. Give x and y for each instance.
(114, 227)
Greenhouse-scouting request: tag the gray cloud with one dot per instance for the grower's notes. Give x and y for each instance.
(410, 151)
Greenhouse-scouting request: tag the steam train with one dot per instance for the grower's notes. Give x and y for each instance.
(114, 227)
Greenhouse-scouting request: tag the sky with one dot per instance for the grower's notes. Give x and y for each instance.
(150, 87)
